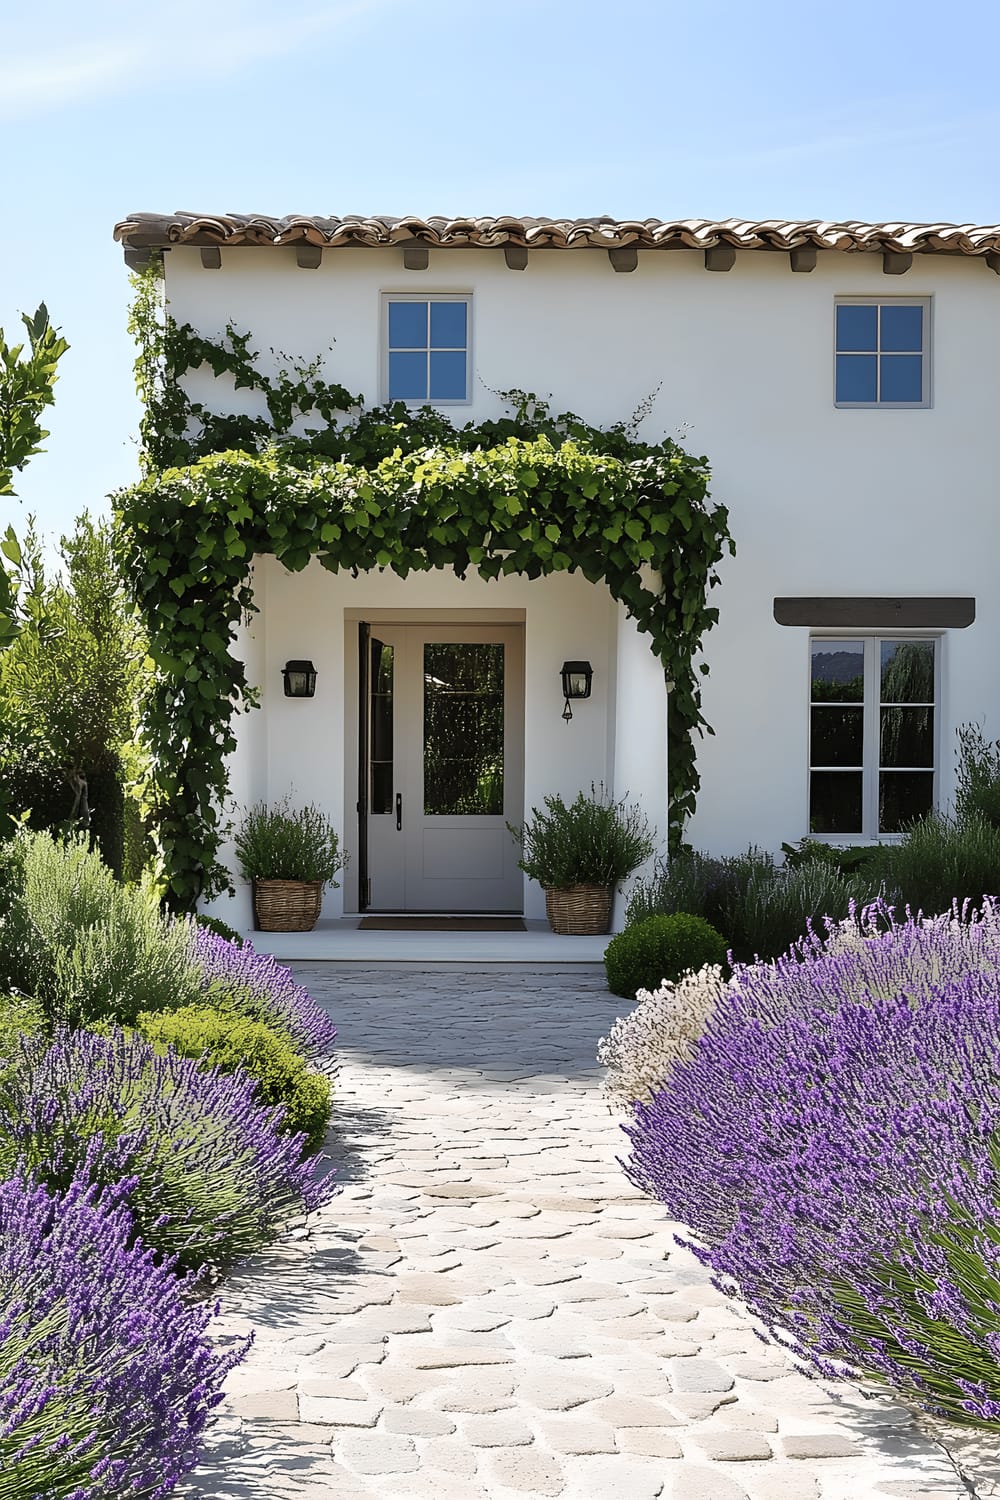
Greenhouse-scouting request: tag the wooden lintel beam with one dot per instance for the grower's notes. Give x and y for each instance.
(720, 257)
(211, 257)
(802, 258)
(416, 257)
(516, 257)
(623, 257)
(993, 260)
(308, 257)
(896, 262)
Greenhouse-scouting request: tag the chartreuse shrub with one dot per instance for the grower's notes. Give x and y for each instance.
(107, 1375)
(832, 1143)
(214, 1177)
(661, 948)
(228, 1042)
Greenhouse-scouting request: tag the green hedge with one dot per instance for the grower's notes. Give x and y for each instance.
(229, 1042)
(659, 948)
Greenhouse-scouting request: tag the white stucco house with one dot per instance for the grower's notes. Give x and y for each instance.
(842, 380)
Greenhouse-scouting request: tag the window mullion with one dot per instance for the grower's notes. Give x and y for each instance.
(873, 697)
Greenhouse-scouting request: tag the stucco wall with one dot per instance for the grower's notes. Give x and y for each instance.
(822, 501)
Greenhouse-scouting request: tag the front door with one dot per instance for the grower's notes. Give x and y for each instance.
(443, 719)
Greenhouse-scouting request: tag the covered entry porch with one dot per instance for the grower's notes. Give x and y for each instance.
(422, 816)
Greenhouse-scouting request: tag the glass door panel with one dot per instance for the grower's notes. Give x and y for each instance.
(463, 742)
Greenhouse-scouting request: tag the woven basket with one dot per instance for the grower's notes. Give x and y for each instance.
(579, 910)
(286, 905)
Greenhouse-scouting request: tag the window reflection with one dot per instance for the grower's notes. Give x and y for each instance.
(463, 729)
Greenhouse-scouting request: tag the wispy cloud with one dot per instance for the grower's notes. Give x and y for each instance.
(847, 137)
(110, 49)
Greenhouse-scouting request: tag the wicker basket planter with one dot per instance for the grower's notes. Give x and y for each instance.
(286, 905)
(579, 910)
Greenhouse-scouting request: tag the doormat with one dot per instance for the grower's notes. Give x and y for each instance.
(441, 924)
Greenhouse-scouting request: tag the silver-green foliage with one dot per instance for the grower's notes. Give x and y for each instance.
(102, 949)
(282, 842)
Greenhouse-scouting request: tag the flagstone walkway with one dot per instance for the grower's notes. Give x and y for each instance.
(489, 1310)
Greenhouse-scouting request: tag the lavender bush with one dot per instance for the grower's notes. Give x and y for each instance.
(832, 1145)
(107, 1377)
(214, 1178)
(236, 975)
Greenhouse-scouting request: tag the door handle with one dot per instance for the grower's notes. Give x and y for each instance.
(399, 809)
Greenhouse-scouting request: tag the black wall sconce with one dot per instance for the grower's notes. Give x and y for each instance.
(300, 679)
(576, 679)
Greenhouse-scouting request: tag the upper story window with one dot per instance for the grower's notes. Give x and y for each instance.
(426, 349)
(872, 734)
(883, 352)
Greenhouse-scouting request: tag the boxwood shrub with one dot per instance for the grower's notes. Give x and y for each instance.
(229, 1042)
(659, 948)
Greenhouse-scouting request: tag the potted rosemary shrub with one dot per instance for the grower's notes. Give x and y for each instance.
(289, 854)
(580, 852)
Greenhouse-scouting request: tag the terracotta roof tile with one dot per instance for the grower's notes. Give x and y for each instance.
(141, 230)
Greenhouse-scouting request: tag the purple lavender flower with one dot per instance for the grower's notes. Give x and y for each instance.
(833, 1145)
(214, 1178)
(107, 1377)
(264, 989)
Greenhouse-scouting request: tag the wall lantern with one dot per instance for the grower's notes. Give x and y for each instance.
(576, 679)
(300, 679)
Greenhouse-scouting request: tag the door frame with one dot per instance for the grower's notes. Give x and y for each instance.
(352, 836)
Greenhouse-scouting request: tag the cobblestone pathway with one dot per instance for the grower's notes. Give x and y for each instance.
(488, 1310)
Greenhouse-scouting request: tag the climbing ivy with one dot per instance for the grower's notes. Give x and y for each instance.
(383, 487)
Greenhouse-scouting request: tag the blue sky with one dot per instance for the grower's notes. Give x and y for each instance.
(561, 107)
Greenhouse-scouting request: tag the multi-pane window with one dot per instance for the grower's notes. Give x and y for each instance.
(882, 354)
(872, 734)
(427, 349)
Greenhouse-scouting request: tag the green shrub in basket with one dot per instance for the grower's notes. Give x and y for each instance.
(659, 948)
(592, 840)
(279, 842)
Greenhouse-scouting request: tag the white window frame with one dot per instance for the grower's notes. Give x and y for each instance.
(926, 385)
(870, 767)
(411, 296)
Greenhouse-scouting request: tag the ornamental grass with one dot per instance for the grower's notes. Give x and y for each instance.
(214, 1177)
(107, 1376)
(832, 1144)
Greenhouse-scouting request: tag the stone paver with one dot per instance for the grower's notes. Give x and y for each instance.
(489, 1309)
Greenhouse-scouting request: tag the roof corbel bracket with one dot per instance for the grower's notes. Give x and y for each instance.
(308, 257)
(516, 257)
(211, 257)
(623, 257)
(896, 262)
(416, 257)
(720, 257)
(802, 258)
(993, 260)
